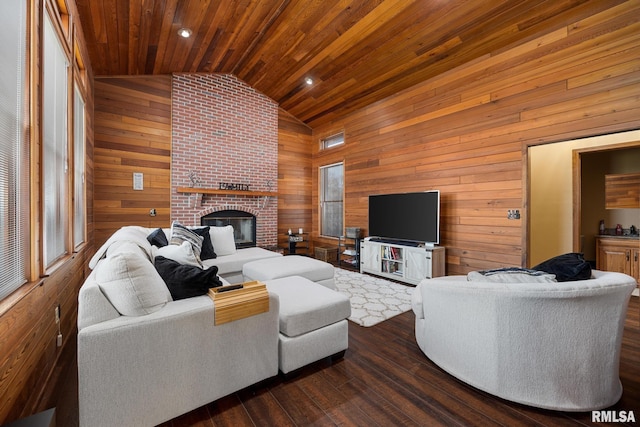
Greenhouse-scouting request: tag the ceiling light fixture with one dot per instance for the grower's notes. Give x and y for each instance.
(308, 81)
(184, 32)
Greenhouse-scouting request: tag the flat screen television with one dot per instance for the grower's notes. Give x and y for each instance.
(411, 217)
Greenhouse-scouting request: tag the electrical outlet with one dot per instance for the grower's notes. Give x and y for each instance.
(513, 214)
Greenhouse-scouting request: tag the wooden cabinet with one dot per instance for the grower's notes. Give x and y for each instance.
(620, 255)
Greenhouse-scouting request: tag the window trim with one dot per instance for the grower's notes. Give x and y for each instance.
(321, 197)
(326, 144)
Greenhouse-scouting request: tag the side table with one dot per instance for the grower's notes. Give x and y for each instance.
(298, 241)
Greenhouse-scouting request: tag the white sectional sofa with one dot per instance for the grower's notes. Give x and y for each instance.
(163, 357)
(145, 358)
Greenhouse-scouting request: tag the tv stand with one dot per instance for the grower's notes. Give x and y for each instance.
(407, 263)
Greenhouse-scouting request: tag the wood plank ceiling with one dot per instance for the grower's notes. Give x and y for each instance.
(356, 51)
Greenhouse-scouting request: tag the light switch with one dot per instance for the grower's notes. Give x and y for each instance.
(138, 181)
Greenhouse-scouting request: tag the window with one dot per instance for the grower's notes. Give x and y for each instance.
(331, 203)
(13, 156)
(332, 141)
(78, 169)
(55, 151)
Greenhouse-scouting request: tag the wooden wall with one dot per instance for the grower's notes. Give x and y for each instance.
(30, 360)
(133, 134)
(294, 176)
(466, 132)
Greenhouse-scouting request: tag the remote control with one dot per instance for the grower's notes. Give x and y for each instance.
(229, 288)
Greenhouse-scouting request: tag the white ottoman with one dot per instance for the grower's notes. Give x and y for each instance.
(291, 265)
(313, 322)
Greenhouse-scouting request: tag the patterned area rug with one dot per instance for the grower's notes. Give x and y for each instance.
(373, 299)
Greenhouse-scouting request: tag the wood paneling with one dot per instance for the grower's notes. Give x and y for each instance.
(466, 132)
(28, 334)
(294, 176)
(133, 134)
(622, 191)
(357, 51)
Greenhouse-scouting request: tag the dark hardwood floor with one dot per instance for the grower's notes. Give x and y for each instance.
(383, 380)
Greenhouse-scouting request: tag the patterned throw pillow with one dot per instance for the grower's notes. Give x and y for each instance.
(180, 234)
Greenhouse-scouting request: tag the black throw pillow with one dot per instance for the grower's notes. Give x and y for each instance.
(207, 251)
(158, 238)
(567, 267)
(186, 281)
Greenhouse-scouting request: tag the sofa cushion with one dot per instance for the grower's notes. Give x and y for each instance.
(208, 251)
(567, 267)
(290, 265)
(132, 284)
(127, 246)
(130, 233)
(510, 275)
(233, 263)
(158, 238)
(306, 306)
(180, 234)
(222, 240)
(182, 254)
(186, 281)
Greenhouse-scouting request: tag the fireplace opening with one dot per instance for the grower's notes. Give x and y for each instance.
(243, 223)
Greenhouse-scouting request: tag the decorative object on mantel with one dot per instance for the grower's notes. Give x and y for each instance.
(233, 186)
(194, 181)
(193, 178)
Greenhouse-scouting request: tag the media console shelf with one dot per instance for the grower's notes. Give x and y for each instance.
(404, 263)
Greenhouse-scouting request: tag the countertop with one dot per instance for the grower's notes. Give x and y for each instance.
(614, 236)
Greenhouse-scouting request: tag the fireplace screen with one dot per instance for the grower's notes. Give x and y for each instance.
(243, 223)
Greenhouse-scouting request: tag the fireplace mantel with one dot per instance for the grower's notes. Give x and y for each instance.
(199, 190)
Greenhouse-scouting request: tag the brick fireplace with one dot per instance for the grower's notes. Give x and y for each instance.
(224, 131)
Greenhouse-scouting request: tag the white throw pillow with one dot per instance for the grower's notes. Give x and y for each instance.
(132, 284)
(222, 240)
(179, 253)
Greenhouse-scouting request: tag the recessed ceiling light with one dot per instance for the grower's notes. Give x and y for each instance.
(184, 32)
(308, 81)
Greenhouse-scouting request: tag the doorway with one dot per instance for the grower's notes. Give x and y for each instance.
(555, 206)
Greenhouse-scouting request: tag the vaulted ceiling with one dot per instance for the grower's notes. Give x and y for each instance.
(356, 51)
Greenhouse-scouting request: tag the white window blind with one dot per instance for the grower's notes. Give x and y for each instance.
(55, 151)
(13, 146)
(78, 170)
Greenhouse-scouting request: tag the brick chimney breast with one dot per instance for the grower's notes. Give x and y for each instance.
(224, 131)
